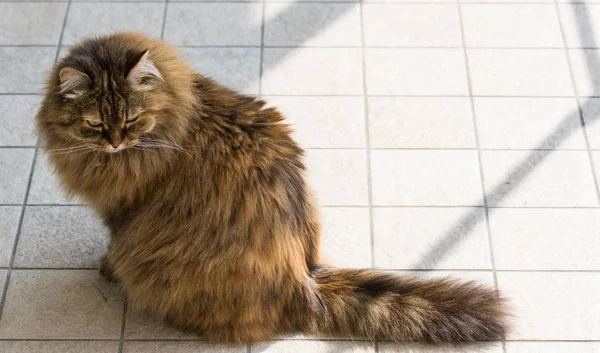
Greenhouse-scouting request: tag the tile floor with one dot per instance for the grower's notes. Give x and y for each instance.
(443, 138)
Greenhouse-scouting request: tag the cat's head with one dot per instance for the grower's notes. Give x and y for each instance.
(110, 94)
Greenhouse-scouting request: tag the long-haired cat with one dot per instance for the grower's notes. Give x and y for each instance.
(212, 226)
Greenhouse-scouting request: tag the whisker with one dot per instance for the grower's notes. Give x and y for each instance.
(66, 148)
(83, 150)
(147, 139)
(154, 143)
(157, 145)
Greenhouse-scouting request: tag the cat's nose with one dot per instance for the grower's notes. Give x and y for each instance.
(115, 137)
(115, 141)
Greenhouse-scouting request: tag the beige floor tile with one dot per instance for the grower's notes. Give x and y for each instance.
(68, 236)
(58, 347)
(52, 304)
(9, 223)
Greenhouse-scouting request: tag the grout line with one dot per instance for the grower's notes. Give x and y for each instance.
(57, 205)
(469, 206)
(164, 20)
(123, 323)
(62, 31)
(413, 2)
(16, 241)
(165, 340)
(367, 143)
(479, 158)
(274, 340)
(370, 95)
(308, 46)
(20, 94)
(43, 205)
(447, 149)
(30, 178)
(367, 135)
(374, 206)
(55, 268)
(262, 50)
(433, 270)
(401, 149)
(27, 45)
(579, 105)
(58, 339)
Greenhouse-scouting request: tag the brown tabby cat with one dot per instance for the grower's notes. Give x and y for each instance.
(212, 225)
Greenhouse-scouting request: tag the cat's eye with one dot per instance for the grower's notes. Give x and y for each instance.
(132, 119)
(93, 123)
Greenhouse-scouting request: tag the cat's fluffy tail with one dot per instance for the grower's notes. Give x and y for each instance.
(379, 305)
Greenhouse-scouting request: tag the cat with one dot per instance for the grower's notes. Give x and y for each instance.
(212, 225)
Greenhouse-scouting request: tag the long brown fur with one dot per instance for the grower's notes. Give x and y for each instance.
(212, 225)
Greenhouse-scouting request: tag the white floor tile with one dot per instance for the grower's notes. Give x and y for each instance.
(424, 348)
(339, 177)
(313, 347)
(405, 238)
(346, 236)
(519, 72)
(88, 19)
(528, 179)
(591, 114)
(425, 178)
(312, 71)
(552, 347)
(507, 25)
(312, 24)
(553, 305)
(411, 25)
(415, 72)
(545, 239)
(529, 123)
(581, 24)
(421, 122)
(586, 71)
(218, 24)
(236, 68)
(324, 122)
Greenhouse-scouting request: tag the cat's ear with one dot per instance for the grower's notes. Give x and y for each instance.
(73, 83)
(144, 74)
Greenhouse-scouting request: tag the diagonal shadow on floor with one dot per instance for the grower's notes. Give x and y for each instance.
(306, 27)
(465, 225)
